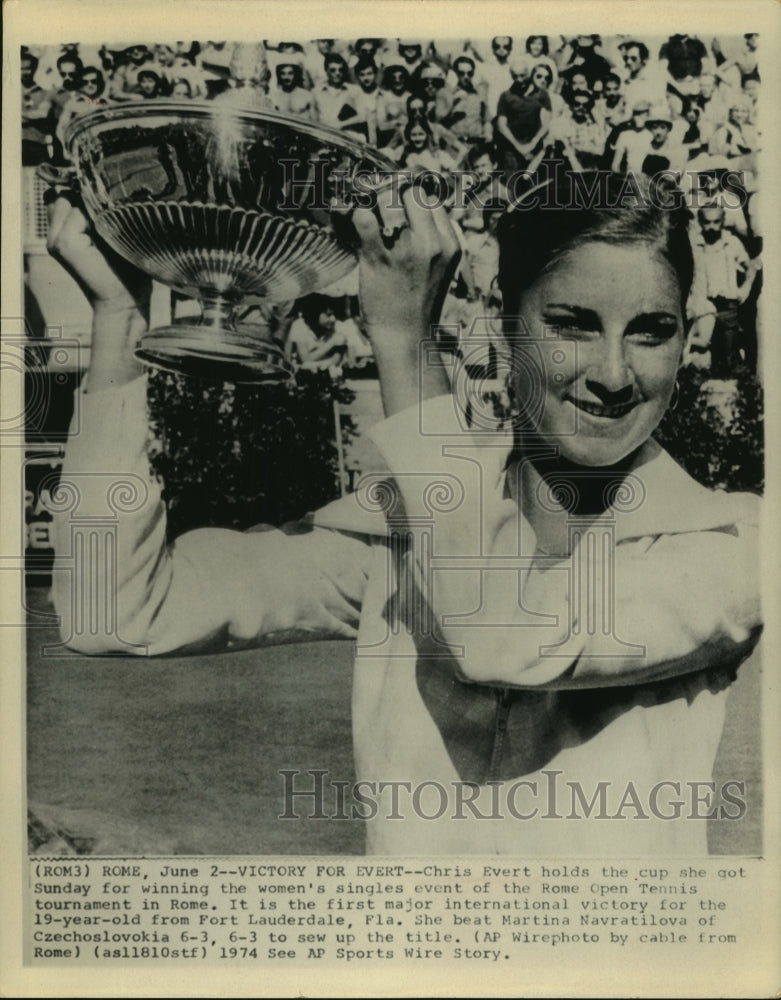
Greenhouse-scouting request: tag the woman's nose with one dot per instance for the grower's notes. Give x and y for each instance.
(608, 374)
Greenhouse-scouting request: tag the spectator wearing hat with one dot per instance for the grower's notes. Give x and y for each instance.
(628, 143)
(663, 153)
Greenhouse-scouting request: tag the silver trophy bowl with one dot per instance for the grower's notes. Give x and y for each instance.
(226, 205)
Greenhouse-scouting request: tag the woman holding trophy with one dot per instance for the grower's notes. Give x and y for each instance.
(548, 613)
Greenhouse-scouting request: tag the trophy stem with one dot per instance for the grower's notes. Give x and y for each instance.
(215, 348)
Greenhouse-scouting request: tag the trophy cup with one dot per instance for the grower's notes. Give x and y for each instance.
(226, 204)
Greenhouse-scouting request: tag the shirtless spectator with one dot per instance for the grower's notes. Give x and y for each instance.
(290, 96)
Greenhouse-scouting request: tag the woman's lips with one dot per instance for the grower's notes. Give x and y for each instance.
(614, 412)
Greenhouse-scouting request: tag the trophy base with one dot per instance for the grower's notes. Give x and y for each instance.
(201, 351)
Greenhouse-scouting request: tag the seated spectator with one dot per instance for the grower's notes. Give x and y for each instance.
(663, 152)
(584, 58)
(335, 100)
(467, 116)
(36, 115)
(180, 88)
(367, 100)
(736, 139)
(643, 80)
(610, 106)
(150, 84)
(494, 75)
(686, 58)
(580, 133)
(392, 102)
(690, 132)
(313, 340)
(290, 96)
(627, 139)
(429, 82)
(477, 216)
(420, 152)
(522, 121)
(125, 84)
(88, 97)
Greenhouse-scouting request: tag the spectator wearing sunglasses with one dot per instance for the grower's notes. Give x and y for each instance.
(467, 117)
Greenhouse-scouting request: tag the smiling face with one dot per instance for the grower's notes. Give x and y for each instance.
(418, 137)
(608, 373)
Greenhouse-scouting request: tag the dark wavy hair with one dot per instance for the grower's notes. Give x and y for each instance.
(561, 211)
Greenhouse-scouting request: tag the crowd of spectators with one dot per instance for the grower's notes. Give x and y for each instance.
(482, 110)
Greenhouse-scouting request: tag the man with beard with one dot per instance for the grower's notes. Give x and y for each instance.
(36, 105)
(610, 107)
(466, 118)
(290, 96)
(723, 278)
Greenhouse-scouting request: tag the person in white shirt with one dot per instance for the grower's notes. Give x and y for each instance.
(335, 100)
(466, 574)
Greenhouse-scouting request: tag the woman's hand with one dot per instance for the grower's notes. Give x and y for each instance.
(409, 254)
(117, 292)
